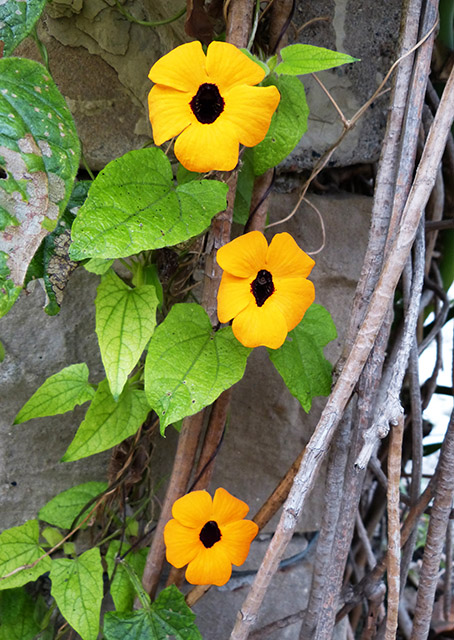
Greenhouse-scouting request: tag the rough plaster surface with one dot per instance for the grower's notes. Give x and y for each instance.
(101, 62)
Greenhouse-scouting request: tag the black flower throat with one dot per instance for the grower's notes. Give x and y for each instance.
(210, 534)
(207, 104)
(262, 287)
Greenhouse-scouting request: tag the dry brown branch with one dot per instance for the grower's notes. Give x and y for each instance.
(182, 467)
(439, 516)
(319, 443)
(393, 563)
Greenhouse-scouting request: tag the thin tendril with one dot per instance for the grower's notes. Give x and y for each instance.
(147, 23)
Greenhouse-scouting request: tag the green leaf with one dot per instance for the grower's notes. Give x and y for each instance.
(18, 547)
(18, 620)
(134, 205)
(2, 352)
(9, 292)
(52, 536)
(58, 394)
(288, 124)
(125, 321)
(244, 188)
(298, 59)
(17, 19)
(300, 360)
(78, 590)
(189, 365)
(121, 589)
(39, 152)
(107, 422)
(63, 509)
(99, 266)
(168, 617)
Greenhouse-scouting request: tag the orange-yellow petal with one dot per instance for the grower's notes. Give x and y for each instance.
(169, 112)
(234, 295)
(182, 68)
(227, 508)
(204, 147)
(250, 109)
(285, 258)
(244, 256)
(193, 510)
(210, 566)
(182, 543)
(237, 538)
(260, 326)
(292, 296)
(228, 67)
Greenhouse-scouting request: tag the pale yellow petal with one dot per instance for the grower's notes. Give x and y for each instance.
(182, 68)
(285, 258)
(260, 326)
(210, 566)
(234, 295)
(182, 543)
(227, 508)
(228, 67)
(169, 112)
(207, 147)
(244, 256)
(194, 509)
(293, 296)
(237, 538)
(250, 110)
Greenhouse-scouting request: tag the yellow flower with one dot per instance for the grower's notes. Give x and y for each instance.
(210, 103)
(264, 289)
(208, 535)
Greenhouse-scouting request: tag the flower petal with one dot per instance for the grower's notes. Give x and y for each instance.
(193, 510)
(234, 295)
(169, 112)
(204, 147)
(260, 326)
(293, 296)
(250, 110)
(182, 68)
(237, 538)
(227, 508)
(285, 258)
(210, 566)
(244, 256)
(182, 543)
(228, 67)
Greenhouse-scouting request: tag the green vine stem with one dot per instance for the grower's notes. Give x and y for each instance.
(147, 23)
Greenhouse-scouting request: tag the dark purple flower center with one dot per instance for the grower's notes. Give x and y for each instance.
(210, 534)
(207, 104)
(262, 287)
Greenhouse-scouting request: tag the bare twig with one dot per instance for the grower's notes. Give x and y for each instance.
(439, 516)
(393, 564)
(182, 467)
(318, 445)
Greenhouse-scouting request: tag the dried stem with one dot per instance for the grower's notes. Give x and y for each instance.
(182, 468)
(393, 563)
(318, 445)
(439, 516)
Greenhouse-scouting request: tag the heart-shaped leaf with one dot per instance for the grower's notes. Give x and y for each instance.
(134, 205)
